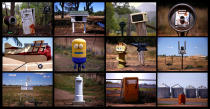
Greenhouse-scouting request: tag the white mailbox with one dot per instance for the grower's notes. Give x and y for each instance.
(28, 20)
(79, 16)
(139, 17)
(78, 97)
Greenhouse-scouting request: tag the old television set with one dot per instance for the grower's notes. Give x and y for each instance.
(139, 17)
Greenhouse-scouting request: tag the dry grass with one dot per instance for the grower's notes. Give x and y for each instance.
(11, 95)
(187, 99)
(131, 58)
(193, 63)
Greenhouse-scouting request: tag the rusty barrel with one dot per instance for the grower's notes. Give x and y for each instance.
(182, 99)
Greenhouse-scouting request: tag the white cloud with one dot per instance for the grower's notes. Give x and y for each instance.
(39, 73)
(135, 4)
(195, 46)
(13, 75)
(45, 76)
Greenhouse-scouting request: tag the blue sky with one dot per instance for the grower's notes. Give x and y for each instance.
(28, 40)
(183, 79)
(97, 6)
(139, 75)
(20, 78)
(195, 46)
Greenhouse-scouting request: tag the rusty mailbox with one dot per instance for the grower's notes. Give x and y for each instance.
(130, 89)
(28, 20)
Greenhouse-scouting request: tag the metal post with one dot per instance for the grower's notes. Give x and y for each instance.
(79, 68)
(72, 27)
(182, 61)
(182, 34)
(122, 31)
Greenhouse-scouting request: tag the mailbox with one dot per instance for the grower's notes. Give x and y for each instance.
(139, 17)
(130, 89)
(10, 20)
(79, 53)
(79, 16)
(28, 20)
(181, 17)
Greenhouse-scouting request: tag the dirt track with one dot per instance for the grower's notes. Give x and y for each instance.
(65, 98)
(62, 97)
(12, 65)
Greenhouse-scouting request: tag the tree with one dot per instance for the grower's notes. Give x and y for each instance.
(62, 6)
(122, 8)
(88, 7)
(16, 40)
(110, 20)
(69, 6)
(12, 11)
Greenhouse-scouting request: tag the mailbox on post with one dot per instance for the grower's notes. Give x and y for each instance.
(181, 18)
(79, 16)
(139, 17)
(140, 20)
(130, 89)
(28, 20)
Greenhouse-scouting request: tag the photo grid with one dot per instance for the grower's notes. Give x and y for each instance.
(104, 54)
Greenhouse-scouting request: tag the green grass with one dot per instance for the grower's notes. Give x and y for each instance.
(189, 67)
(199, 66)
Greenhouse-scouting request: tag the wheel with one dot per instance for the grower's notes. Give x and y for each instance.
(40, 66)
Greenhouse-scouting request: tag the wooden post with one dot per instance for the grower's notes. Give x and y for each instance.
(84, 27)
(129, 26)
(141, 29)
(182, 61)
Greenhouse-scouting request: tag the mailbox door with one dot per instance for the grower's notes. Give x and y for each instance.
(28, 21)
(131, 90)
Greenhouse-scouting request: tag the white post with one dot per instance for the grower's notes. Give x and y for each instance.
(141, 57)
(72, 27)
(84, 28)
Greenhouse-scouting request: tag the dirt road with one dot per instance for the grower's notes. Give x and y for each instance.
(65, 98)
(64, 63)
